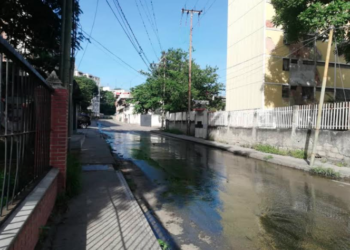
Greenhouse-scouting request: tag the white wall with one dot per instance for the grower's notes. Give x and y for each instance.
(245, 54)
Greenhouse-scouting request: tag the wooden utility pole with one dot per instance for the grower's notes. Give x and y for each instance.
(163, 109)
(320, 106)
(190, 68)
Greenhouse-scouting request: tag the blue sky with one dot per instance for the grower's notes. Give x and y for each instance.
(209, 37)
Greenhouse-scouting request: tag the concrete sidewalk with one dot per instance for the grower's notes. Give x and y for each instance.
(286, 161)
(105, 215)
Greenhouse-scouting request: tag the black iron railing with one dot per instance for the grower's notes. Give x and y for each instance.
(25, 111)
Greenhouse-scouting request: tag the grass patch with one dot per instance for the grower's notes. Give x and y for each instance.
(269, 157)
(342, 164)
(73, 176)
(325, 172)
(173, 131)
(163, 244)
(300, 154)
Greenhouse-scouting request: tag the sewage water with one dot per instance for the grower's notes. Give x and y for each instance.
(231, 202)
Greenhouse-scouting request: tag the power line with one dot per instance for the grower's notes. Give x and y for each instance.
(272, 63)
(132, 32)
(92, 28)
(195, 4)
(206, 11)
(129, 37)
(104, 47)
(155, 21)
(149, 18)
(274, 50)
(144, 25)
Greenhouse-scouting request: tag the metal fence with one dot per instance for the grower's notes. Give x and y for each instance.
(218, 118)
(180, 116)
(335, 116)
(243, 118)
(275, 118)
(25, 116)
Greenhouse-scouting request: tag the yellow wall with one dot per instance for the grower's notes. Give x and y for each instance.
(322, 49)
(345, 75)
(273, 96)
(274, 39)
(274, 70)
(327, 97)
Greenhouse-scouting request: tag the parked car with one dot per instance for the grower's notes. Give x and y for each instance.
(84, 120)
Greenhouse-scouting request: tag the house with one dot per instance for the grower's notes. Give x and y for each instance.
(265, 71)
(123, 109)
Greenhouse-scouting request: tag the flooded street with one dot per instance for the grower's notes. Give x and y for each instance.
(223, 201)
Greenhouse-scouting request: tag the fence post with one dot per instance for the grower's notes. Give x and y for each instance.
(295, 120)
(255, 126)
(59, 128)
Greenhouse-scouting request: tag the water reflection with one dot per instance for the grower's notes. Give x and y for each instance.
(240, 202)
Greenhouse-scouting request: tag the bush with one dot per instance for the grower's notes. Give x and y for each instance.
(73, 176)
(325, 172)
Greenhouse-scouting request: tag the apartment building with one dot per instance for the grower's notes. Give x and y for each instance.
(264, 70)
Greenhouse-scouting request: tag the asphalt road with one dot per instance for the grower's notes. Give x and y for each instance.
(205, 198)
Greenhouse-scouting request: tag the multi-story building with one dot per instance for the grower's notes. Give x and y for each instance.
(95, 102)
(264, 70)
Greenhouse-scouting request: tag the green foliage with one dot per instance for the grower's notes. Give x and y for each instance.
(342, 164)
(269, 149)
(163, 244)
(73, 176)
(297, 153)
(301, 17)
(273, 150)
(325, 172)
(205, 85)
(88, 89)
(107, 102)
(36, 25)
(173, 131)
(268, 157)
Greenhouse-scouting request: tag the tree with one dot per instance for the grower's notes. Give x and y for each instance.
(34, 26)
(149, 96)
(107, 102)
(88, 90)
(301, 17)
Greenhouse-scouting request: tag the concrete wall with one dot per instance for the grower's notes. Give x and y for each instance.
(21, 230)
(180, 125)
(333, 145)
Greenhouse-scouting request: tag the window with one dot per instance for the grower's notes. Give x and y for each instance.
(285, 64)
(285, 91)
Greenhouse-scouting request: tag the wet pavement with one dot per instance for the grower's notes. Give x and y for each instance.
(217, 200)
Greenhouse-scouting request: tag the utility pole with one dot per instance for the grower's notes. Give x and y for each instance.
(163, 110)
(67, 41)
(190, 67)
(320, 106)
(66, 60)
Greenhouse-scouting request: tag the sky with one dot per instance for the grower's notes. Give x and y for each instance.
(209, 37)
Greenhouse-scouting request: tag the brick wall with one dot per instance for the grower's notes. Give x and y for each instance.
(29, 235)
(59, 134)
